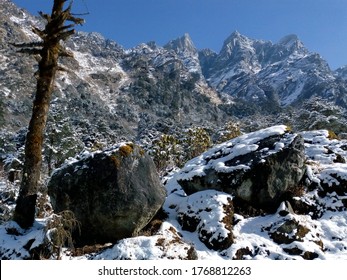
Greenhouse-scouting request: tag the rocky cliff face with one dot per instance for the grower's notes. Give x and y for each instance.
(185, 49)
(293, 185)
(109, 93)
(105, 85)
(265, 73)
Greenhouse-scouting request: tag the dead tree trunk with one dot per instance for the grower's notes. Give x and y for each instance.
(50, 50)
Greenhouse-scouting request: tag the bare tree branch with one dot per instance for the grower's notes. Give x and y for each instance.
(47, 17)
(39, 32)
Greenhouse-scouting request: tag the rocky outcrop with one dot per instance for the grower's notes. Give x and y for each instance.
(13, 167)
(326, 176)
(259, 168)
(210, 214)
(292, 230)
(185, 49)
(113, 194)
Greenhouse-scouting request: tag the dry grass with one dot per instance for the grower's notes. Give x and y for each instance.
(59, 230)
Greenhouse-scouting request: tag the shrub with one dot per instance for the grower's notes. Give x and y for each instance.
(58, 230)
(166, 152)
(197, 140)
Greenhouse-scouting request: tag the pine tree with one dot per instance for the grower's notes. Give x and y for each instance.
(49, 49)
(61, 141)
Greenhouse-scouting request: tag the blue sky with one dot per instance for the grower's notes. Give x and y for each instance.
(320, 24)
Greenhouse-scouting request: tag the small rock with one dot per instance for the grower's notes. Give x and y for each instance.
(210, 214)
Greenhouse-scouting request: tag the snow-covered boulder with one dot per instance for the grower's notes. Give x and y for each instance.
(259, 168)
(210, 214)
(292, 232)
(326, 176)
(113, 194)
(327, 162)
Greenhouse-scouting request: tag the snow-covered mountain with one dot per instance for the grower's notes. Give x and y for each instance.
(185, 49)
(282, 74)
(109, 93)
(114, 93)
(106, 85)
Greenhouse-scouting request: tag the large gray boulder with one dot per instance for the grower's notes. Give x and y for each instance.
(260, 169)
(113, 194)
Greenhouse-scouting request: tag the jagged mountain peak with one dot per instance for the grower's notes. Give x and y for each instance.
(236, 39)
(284, 73)
(235, 35)
(292, 42)
(182, 44)
(186, 50)
(95, 38)
(238, 55)
(237, 43)
(341, 73)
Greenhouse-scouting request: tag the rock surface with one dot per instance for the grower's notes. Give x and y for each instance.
(210, 213)
(326, 176)
(292, 231)
(258, 168)
(113, 194)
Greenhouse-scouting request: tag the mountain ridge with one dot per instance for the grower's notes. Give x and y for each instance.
(177, 102)
(139, 93)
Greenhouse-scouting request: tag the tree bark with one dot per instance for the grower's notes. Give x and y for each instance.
(26, 202)
(54, 32)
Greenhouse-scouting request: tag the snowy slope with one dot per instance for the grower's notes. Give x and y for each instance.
(319, 234)
(110, 94)
(106, 90)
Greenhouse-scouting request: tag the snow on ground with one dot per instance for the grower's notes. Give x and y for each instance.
(326, 157)
(13, 240)
(323, 237)
(3, 62)
(251, 233)
(6, 91)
